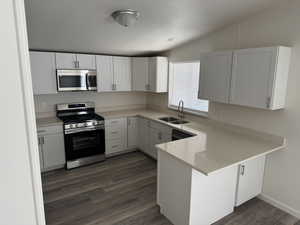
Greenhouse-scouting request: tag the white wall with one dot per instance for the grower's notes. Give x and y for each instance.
(17, 197)
(277, 26)
(45, 104)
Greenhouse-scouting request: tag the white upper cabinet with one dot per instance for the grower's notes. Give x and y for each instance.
(105, 75)
(86, 61)
(140, 71)
(43, 72)
(66, 61)
(215, 76)
(158, 74)
(122, 73)
(259, 77)
(75, 61)
(248, 77)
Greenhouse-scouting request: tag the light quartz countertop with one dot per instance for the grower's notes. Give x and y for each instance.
(48, 121)
(215, 146)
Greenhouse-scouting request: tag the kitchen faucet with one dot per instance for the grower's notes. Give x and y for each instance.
(181, 109)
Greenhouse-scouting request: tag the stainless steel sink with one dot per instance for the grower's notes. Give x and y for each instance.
(168, 119)
(173, 120)
(179, 122)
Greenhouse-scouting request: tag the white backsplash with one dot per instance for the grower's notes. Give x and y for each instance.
(45, 104)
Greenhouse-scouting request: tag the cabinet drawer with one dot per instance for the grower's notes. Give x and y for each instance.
(50, 129)
(114, 122)
(114, 134)
(114, 146)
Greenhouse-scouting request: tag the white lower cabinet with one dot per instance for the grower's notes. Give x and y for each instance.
(187, 196)
(115, 136)
(250, 179)
(143, 135)
(132, 132)
(152, 133)
(51, 148)
(124, 134)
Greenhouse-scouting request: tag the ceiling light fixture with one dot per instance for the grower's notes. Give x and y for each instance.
(125, 17)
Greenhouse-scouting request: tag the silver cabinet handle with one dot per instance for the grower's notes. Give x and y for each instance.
(242, 170)
(115, 146)
(159, 136)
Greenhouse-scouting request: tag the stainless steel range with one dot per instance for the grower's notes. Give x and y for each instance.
(84, 133)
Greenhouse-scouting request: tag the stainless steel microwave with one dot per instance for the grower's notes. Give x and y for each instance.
(76, 80)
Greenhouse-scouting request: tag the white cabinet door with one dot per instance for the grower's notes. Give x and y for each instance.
(43, 72)
(253, 70)
(259, 77)
(158, 74)
(66, 61)
(140, 70)
(155, 137)
(105, 75)
(159, 133)
(250, 180)
(143, 134)
(53, 150)
(122, 73)
(132, 132)
(86, 61)
(215, 76)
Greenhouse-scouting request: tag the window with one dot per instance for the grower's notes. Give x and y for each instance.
(184, 85)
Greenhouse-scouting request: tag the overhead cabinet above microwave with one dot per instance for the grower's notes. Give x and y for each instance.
(248, 77)
(75, 61)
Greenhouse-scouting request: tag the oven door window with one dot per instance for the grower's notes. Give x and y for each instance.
(85, 144)
(74, 82)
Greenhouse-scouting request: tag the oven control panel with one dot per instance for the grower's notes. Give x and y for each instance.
(86, 124)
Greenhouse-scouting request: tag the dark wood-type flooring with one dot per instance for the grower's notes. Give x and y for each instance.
(122, 191)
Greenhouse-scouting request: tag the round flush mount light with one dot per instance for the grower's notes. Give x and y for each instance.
(125, 17)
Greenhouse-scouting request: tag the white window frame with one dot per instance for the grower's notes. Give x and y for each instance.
(171, 86)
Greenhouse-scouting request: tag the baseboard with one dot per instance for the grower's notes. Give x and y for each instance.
(280, 205)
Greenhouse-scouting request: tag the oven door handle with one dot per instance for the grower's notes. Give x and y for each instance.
(78, 130)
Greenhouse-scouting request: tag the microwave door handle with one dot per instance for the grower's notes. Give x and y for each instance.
(87, 81)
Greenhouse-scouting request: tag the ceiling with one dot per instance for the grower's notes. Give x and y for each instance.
(86, 25)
